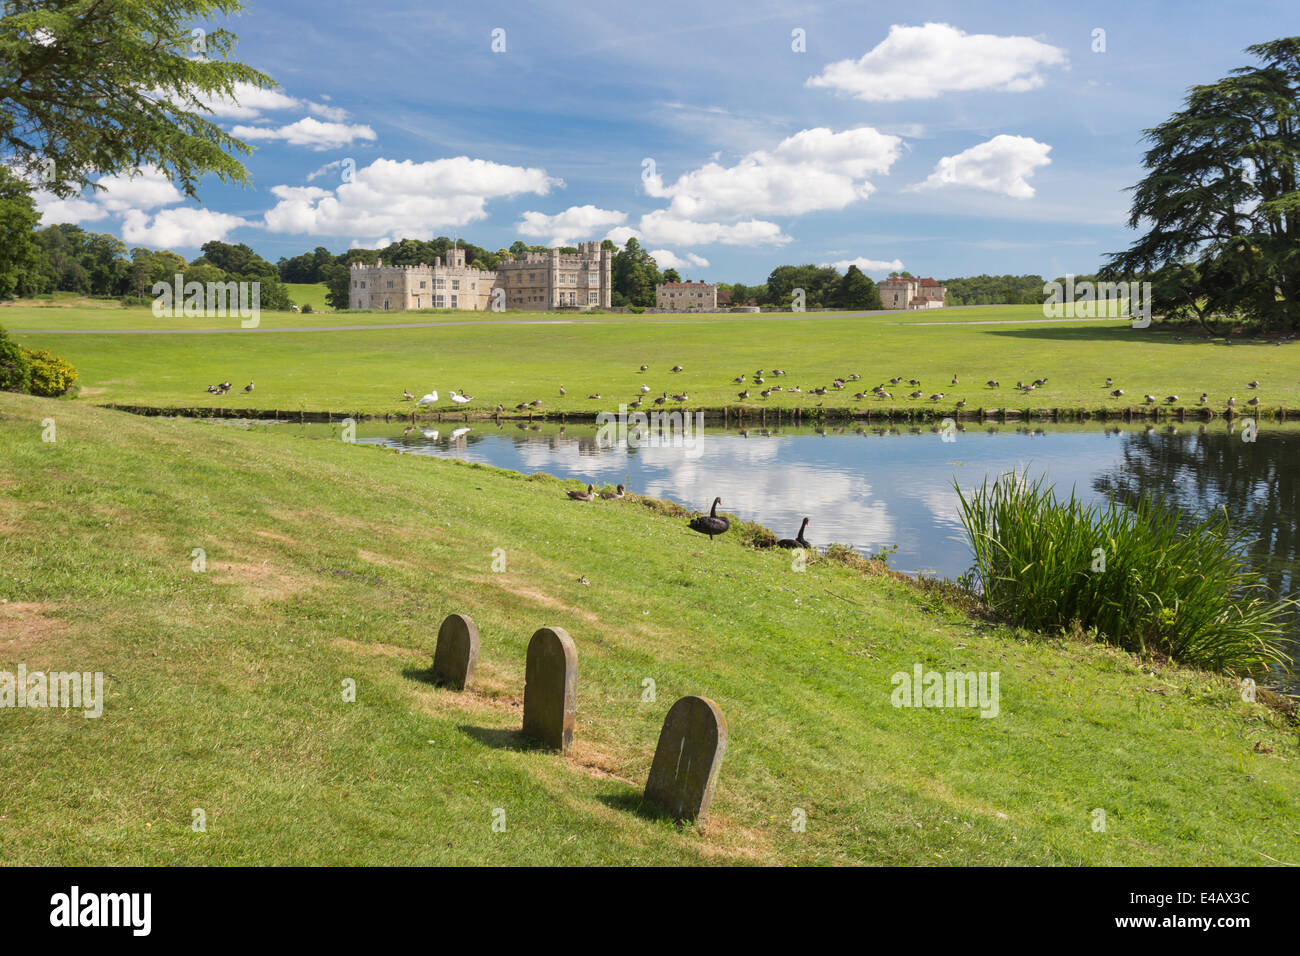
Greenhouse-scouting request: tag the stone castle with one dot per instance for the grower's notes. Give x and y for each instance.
(903, 293)
(534, 281)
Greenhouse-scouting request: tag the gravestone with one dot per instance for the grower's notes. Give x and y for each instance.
(456, 655)
(551, 688)
(687, 759)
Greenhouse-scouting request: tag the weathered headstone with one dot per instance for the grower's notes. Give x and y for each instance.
(687, 759)
(456, 655)
(551, 688)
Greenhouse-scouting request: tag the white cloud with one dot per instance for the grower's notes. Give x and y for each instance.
(146, 189)
(868, 265)
(567, 227)
(1000, 165)
(667, 259)
(919, 63)
(249, 102)
(659, 228)
(172, 228)
(815, 169)
(308, 132)
(403, 198)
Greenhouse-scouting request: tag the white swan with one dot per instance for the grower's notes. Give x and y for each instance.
(644, 389)
(460, 433)
(430, 399)
(460, 399)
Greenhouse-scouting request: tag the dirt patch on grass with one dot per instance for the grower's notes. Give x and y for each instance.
(377, 649)
(276, 536)
(534, 596)
(597, 762)
(261, 581)
(25, 624)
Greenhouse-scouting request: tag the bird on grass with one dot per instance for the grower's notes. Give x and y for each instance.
(613, 495)
(798, 541)
(1231, 401)
(676, 368)
(1203, 399)
(429, 399)
(1110, 382)
(743, 395)
(712, 523)
(992, 383)
(407, 396)
(1149, 399)
(645, 368)
(1170, 399)
(562, 391)
(596, 395)
(1254, 401)
(462, 398)
(644, 388)
(587, 495)
(661, 399)
(248, 387)
(1254, 384)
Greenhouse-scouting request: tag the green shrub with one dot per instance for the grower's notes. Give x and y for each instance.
(306, 307)
(15, 372)
(51, 376)
(1132, 574)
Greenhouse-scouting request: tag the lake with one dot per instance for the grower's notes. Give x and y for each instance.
(890, 489)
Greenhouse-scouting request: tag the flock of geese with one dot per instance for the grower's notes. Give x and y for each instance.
(224, 387)
(880, 391)
(711, 524)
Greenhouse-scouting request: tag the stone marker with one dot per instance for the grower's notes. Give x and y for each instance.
(687, 759)
(456, 655)
(551, 688)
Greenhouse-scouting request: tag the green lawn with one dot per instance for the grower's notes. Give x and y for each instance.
(308, 293)
(515, 357)
(328, 561)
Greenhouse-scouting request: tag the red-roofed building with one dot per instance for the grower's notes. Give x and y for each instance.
(686, 296)
(913, 293)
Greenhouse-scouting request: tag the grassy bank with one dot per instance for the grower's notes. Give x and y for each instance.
(328, 561)
(508, 361)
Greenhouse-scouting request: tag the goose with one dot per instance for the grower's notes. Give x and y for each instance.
(661, 399)
(1254, 401)
(797, 541)
(676, 368)
(1117, 393)
(683, 397)
(913, 394)
(1231, 401)
(644, 388)
(859, 395)
(613, 495)
(765, 392)
(759, 380)
(248, 387)
(535, 403)
(1110, 382)
(711, 523)
(645, 368)
(992, 383)
(521, 406)
(915, 382)
(961, 403)
(429, 399)
(596, 395)
(744, 394)
(1253, 384)
(212, 389)
(936, 396)
(1149, 399)
(224, 386)
(635, 404)
(895, 380)
(1203, 399)
(884, 394)
(854, 376)
(562, 391)
(954, 378)
(778, 371)
(583, 495)
(739, 379)
(1039, 381)
(406, 395)
(462, 398)
(795, 390)
(819, 390)
(1170, 399)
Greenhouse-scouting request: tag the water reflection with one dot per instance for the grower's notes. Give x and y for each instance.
(879, 488)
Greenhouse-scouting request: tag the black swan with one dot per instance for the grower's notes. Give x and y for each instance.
(796, 542)
(711, 523)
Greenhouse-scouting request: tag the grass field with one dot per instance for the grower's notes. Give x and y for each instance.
(328, 561)
(521, 357)
(308, 293)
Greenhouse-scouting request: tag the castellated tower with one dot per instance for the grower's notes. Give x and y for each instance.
(440, 285)
(554, 280)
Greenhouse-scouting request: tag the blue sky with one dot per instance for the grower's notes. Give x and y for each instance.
(1006, 151)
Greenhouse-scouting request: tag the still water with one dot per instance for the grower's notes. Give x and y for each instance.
(891, 489)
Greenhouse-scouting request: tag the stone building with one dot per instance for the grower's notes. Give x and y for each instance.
(913, 293)
(551, 280)
(449, 284)
(686, 296)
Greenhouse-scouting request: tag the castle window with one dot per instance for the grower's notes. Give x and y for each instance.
(455, 283)
(454, 301)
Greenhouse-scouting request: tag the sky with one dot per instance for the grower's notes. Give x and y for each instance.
(947, 139)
